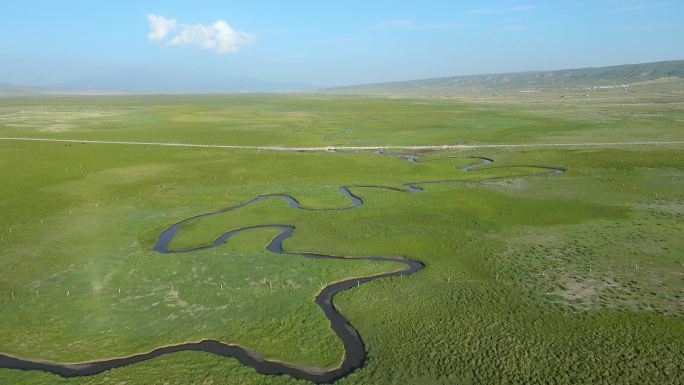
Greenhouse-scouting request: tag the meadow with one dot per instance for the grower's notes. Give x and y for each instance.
(650, 110)
(528, 279)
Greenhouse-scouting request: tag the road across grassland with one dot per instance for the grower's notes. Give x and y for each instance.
(352, 148)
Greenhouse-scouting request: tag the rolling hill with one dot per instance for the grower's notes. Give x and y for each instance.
(570, 78)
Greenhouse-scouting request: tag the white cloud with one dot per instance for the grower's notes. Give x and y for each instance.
(160, 27)
(218, 37)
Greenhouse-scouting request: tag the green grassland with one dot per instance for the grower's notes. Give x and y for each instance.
(649, 110)
(574, 278)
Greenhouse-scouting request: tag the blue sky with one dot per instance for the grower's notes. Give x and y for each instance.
(330, 42)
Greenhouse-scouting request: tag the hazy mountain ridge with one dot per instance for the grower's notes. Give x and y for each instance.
(178, 81)
(168, 81)
(11, 88)
(569, 78)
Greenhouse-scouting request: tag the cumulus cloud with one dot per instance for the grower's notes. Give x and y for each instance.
(160, 27)
(218, 36)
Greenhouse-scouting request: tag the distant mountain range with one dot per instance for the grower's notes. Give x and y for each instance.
(150, 82)
(571, 78)
(176, 81)
(9, 87)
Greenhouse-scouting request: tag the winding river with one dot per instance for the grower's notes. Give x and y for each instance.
(354, 350)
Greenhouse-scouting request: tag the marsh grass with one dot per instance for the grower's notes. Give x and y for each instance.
(575, 278)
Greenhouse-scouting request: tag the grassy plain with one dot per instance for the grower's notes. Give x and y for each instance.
(647, 111)
(575, 278)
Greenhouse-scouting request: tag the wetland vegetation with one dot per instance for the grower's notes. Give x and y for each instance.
(575, 278)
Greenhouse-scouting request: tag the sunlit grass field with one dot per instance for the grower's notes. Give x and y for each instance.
(646, 111)
(572, 278)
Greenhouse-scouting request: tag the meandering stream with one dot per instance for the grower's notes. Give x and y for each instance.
(354, 350)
